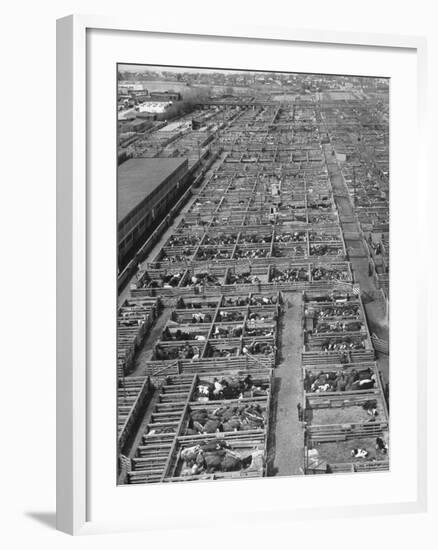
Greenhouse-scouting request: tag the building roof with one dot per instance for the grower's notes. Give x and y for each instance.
(139, 177)
(137, 122)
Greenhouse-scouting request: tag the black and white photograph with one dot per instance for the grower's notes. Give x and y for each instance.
(253, 274)
(229, 214)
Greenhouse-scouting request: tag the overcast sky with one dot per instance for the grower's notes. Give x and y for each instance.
(140, 68)
(159, 68)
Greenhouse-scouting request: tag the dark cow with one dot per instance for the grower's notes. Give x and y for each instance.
(381, 445)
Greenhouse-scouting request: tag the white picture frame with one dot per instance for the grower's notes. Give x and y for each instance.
(75, 217)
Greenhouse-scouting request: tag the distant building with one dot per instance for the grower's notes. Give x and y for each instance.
(165, 96)
(145, 115)
(125, 87)
(131, 124)
(153, 107)
(138, 125)
(147, 189)
(196, 124)
(139, 93)
(125, 117)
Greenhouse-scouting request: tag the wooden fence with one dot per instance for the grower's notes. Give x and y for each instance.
(380, 345)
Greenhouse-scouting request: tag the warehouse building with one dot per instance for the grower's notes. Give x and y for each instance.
(147, 189)
(165, 96)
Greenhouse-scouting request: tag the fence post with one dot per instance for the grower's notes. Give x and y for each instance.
(125, 465)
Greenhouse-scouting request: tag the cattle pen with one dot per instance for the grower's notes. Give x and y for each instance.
(245, 345)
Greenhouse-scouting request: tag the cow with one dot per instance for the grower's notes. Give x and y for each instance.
(381, 445)
(366, 384)
(225, 461)
(359, 453)
(190, 452)
(370, 407)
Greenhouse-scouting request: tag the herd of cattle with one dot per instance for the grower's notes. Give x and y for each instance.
(264, 223)
(345, 412)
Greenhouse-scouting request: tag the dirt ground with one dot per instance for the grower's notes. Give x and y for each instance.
(286, 442)
(344, 415)
(340, 451)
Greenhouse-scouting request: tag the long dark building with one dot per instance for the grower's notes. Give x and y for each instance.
(147, 188)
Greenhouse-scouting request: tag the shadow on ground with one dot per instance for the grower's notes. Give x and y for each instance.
(45, 518)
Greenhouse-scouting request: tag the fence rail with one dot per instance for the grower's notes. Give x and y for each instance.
(380, 345)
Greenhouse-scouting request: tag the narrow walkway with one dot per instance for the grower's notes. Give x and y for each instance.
(147, 417)
(287, 437)
(358, 257)
(134, 442)
(147, 348)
